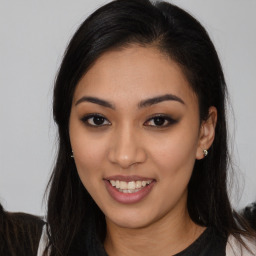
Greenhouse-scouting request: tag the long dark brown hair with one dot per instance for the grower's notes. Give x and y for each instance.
(73, 217)
(19, 233)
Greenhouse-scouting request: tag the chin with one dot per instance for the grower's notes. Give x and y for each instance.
(131, 223)
(131, 219)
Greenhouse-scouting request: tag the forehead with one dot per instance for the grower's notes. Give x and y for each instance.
(134, 73)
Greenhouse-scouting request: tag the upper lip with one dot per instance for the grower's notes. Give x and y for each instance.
(127, 178)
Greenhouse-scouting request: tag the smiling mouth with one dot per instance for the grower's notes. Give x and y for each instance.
(131, 186)
(129, 189)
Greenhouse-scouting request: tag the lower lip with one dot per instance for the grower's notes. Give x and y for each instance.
(128, 198)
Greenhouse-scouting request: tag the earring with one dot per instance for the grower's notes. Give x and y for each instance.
(72, 155)
(205, 152)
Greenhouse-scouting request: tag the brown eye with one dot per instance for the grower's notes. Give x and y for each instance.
(95, 120)
(160, 121)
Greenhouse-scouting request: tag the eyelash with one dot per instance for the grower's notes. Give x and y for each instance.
(86, 119)
(106, 122)
(168, 121)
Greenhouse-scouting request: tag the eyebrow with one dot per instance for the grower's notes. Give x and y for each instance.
(142, 104)
(96, 101)
(158, 99)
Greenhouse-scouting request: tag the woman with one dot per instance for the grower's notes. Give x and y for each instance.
(19, 233)
(140, 106)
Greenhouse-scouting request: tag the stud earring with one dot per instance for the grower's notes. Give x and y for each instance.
(72, 155)
(205, 152)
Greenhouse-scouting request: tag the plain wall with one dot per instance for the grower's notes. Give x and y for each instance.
(33, 37)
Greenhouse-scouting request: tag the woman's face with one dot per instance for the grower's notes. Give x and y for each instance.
(135, 133)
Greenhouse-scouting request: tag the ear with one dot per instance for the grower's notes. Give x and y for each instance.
(207, 133)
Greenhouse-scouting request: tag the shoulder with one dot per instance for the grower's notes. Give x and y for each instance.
(235, 248)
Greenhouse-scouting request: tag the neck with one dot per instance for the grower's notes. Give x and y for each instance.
(168, 236)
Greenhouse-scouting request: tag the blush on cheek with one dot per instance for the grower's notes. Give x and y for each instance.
(86, 150)
(168, 153)
(175, 157)
(84, 173)
(180, 148)
(88, 159)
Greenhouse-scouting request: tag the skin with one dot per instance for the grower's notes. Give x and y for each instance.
(129, 143)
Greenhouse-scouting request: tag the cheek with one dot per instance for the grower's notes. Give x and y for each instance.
(88, 151)
(89, 161)
(89, 156)
(175, 153)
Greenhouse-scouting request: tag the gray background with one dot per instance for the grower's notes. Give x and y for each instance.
(33, 36)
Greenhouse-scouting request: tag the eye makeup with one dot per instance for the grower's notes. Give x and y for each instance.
(160, 121)
(95, 120)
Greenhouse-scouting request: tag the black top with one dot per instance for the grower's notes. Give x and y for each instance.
(209, 243)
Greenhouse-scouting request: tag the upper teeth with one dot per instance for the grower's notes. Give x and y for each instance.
(130, 185)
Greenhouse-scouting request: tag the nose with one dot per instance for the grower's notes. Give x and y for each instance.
(126, 148)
